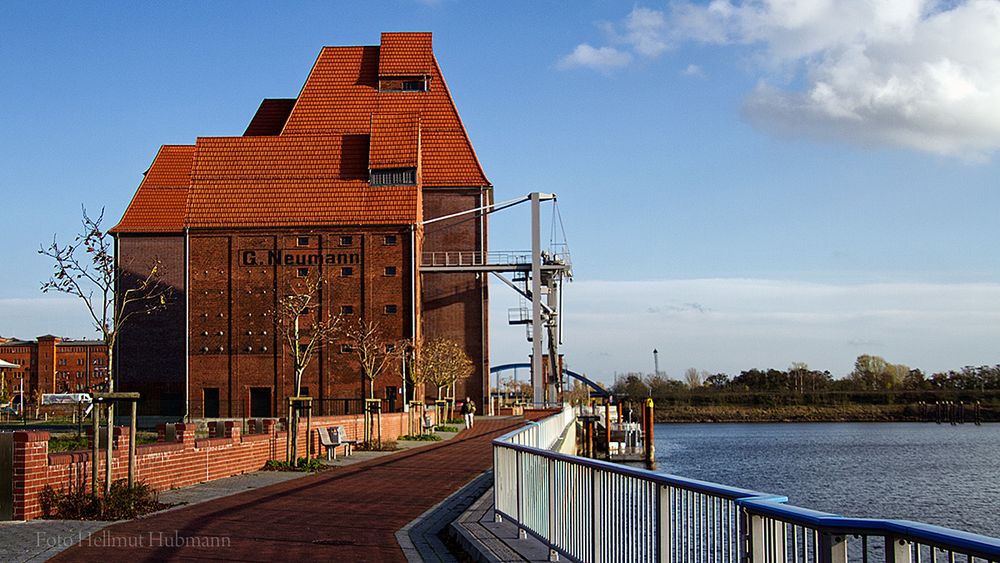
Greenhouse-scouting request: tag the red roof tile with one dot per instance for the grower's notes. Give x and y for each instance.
(406, 54)
(160, 202)
(395, 140)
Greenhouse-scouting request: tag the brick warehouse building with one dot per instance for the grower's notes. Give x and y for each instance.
(334, 184)
(51, 364)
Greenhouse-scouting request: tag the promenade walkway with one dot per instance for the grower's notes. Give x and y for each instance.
(345, 514)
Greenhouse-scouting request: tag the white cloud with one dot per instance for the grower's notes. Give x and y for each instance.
(693, 70)
(922, 74)
(603, 58)
(734, 324)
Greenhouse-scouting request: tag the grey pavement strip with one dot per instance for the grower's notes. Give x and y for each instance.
(488, 541)
(420, 538)
(38, 540)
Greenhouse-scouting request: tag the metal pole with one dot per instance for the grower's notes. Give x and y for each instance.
(131, 447)
(536, 300)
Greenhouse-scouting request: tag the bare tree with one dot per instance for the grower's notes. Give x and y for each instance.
(374, 350)
(302, 300)
(692, 377)
(86, 268)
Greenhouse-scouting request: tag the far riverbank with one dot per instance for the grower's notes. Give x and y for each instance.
(810, 413)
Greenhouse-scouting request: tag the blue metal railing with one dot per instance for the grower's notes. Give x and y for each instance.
(591, 510)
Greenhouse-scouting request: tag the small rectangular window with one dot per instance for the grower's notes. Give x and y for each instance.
(346, 241)
(390, 270)
(302, 241)
(346, 348)
(393, 177)
(390, 309)
(303, 272)
(346, 271)
(347, 309)
(389, 240)
(414, 86)
(390, 348)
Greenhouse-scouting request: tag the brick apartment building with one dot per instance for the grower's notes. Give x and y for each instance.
(55, 365)
(333, 185)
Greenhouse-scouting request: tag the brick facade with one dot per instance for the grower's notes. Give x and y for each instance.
(54, 365)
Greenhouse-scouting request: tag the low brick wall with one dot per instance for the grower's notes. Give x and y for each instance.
(166, 465)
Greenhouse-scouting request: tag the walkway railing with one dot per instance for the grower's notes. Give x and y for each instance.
(591, 510)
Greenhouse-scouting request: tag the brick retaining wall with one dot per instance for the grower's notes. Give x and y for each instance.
(168, 465)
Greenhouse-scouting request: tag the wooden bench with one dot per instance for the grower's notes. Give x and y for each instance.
(332, 438)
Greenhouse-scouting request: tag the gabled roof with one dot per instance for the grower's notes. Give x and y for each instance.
(160, 203)
(306, 161)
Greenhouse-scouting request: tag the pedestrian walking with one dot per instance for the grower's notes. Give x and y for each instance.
(469, 413)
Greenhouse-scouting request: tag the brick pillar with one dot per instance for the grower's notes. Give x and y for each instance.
(31, 461)
(268, 424)
(233, 430)
(161, 432)
(185, 434)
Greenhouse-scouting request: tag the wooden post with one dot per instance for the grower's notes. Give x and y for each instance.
(131, 446)
(288, 435)
(111, 441)
(94, 449)
(607, 428)
(647, 417)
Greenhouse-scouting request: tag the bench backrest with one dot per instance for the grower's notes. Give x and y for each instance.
(337, 434)
(324, 436)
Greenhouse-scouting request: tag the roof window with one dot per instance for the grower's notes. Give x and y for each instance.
(404, 84)
(393, 177)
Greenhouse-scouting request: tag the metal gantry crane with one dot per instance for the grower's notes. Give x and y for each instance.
(542, 275)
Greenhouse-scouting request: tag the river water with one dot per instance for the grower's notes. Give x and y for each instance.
(938, 474)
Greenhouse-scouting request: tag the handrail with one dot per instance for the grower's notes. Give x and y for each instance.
(592, 510)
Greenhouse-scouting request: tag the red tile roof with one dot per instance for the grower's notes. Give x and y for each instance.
(291, 180)
(406, 54)
(395, 140)
(305, 161)
(160, 203)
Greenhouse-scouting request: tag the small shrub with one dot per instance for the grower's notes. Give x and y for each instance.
(372, 446)
(421, 437)
(121, 503)
(447, 429)
(455, 420)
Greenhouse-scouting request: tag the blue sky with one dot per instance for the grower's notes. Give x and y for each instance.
(743, 184)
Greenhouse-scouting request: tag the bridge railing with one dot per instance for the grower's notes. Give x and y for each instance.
(591, 510)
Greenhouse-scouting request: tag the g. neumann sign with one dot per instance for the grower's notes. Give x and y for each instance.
(296, 258)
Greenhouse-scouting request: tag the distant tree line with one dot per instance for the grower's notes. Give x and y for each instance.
(873, 380)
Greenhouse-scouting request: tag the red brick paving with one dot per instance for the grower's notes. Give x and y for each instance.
(344, 514)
